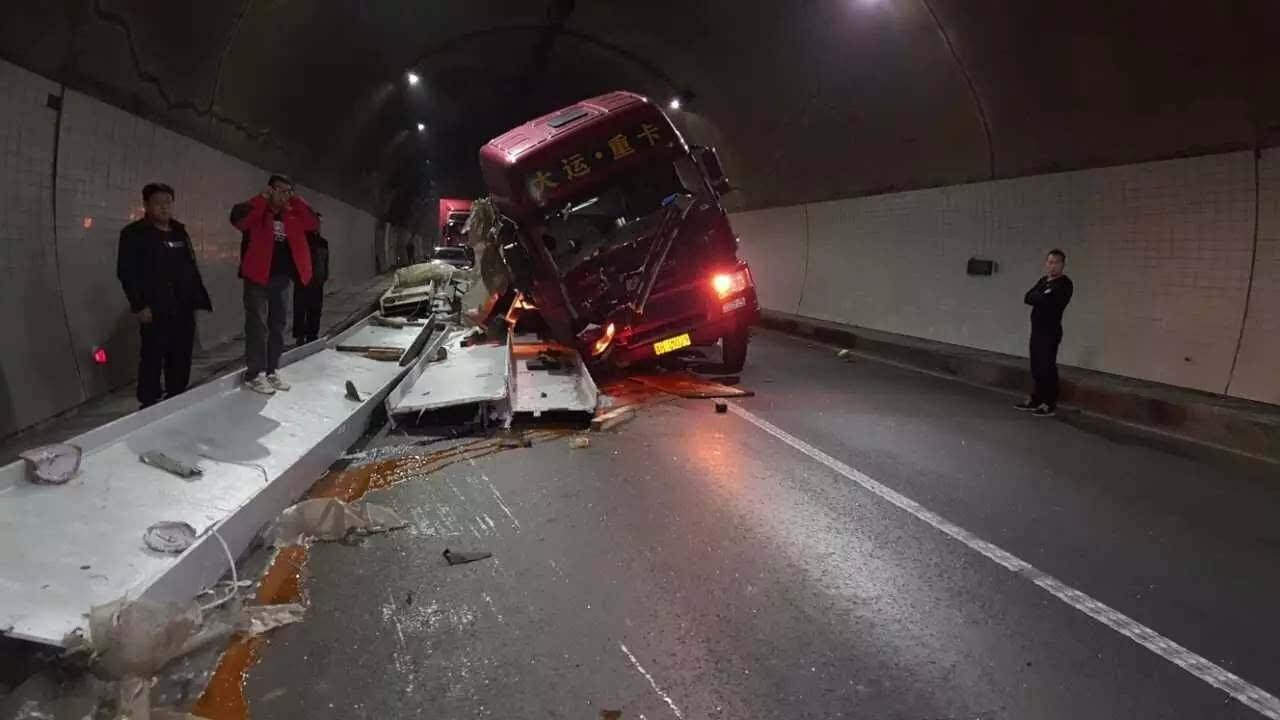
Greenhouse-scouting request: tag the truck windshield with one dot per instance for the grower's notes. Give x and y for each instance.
(623, 211)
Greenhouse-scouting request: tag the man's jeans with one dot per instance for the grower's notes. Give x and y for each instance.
(266, 312)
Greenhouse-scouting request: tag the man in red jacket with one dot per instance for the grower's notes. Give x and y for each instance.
(273, 256)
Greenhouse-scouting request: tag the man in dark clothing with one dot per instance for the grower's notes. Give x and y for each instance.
(157, 269)
(1048, 300)
(273, 255)
(308, 300)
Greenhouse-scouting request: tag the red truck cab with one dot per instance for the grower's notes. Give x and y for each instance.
(615, 231)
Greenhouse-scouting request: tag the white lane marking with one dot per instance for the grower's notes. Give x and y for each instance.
(1211, 673)
(652, 684)
(514, 522)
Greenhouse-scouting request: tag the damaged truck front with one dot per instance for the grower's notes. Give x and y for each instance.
(612, 227)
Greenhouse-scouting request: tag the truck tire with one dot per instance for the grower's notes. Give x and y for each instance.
(734, 349)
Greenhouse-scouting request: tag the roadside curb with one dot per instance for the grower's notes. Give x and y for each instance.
(1238, 426)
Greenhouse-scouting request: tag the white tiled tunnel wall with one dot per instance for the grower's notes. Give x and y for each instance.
(1257, 373)
(37, 368)
(105, 156)
(1159, 253)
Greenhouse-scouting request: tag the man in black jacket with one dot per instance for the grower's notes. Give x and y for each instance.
(308, 300)
(157, 268)
(1048, 300)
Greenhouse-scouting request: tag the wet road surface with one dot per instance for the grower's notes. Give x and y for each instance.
(691, 564)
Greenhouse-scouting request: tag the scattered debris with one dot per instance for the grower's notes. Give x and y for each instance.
(331, 519)
(157, 459)
(384, 354)
(845, 354)
(52, 464)
(258, 619)
(722, 406)
(169, 536)
(511, 442)
(687, 385)
(455, 557)
(442, 354)
(391, 322)
(578, 442)
(611, 715)
(137, 638)
(352, 393)
(613, 418)
(546, 360)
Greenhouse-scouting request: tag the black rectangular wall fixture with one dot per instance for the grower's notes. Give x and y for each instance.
(978, 266)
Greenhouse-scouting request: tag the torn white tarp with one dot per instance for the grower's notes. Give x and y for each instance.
(331, 519)
(258, 619)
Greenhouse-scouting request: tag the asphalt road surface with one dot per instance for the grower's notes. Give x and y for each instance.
(856, 541)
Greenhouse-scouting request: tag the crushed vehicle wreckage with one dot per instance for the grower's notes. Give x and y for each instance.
(601, 218)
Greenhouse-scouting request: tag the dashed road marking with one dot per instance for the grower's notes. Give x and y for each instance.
(671, 704)
(1208, 671)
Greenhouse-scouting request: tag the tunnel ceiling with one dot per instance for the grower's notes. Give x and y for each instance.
(807, 100)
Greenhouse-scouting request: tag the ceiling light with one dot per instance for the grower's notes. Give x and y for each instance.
(421, 127)
(412, 78)
(674, 104)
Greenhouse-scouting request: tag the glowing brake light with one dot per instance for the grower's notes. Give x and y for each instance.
(603, 343)
(726, 284)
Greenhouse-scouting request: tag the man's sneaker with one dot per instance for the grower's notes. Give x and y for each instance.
(259, 384)
(277, 382)
(1028, 405)
(1043, 410)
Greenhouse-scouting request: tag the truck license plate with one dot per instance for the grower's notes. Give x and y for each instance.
(675, 343)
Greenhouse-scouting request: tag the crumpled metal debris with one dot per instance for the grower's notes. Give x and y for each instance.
(258, 619)
(352, 393)
(331, 519)
(578, 442)
(157, 459)
(52, 464)
(458, 557)
(169, 536)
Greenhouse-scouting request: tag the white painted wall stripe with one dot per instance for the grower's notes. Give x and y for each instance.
(1211, 673)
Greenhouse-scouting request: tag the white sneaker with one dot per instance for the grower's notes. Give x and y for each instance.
(278, 382)
(259, 384)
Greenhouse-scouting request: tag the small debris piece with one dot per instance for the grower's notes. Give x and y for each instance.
(352, 393)
(52, 464)
(613, 418)
(578, 442)
(511, 442)
(383, 354)
(844, 354)
(157, 459)
(722, 406)
(331, 519)
(546, 360)
(391, 322)
(408, 599)
(611, 715)
(259, 619)
(456, 557)
(169, 536)
(441, 354)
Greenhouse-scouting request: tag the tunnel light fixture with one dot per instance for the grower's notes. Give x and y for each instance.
(674, 104)
(422, 127)
(412, 77)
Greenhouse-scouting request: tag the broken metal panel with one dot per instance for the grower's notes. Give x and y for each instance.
(473, 374)
(81, 544)
(567, 388)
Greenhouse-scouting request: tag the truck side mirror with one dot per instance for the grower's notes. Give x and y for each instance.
(710, 163)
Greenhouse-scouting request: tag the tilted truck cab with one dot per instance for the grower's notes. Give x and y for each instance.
(615, 231)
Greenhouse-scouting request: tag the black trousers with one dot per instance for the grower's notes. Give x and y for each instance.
(308, 300)
(1044, 368)
(167, 342)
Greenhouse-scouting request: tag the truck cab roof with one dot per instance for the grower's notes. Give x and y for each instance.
(564, 154)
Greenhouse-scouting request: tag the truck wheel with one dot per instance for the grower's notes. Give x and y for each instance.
(734, 349)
